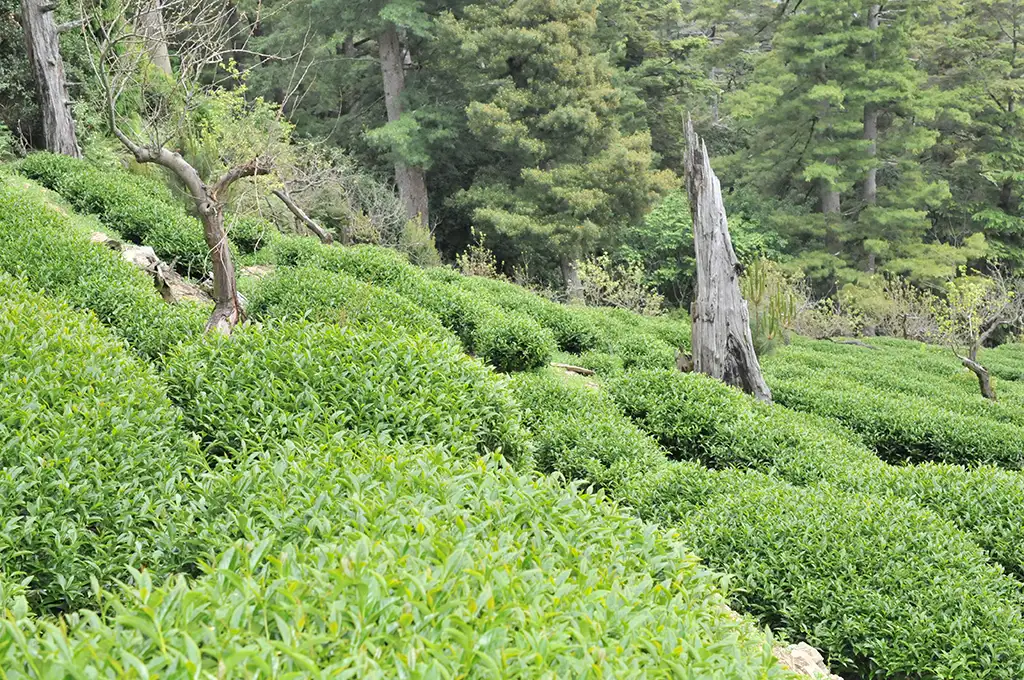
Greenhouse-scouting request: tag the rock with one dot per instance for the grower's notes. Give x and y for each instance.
(805, 660)
(104, 240)
(142, 257)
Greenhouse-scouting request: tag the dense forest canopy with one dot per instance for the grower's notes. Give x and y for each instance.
(855, 140)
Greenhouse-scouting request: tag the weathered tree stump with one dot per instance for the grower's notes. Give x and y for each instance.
(722, 344)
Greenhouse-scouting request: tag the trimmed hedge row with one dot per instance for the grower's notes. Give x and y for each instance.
(876, 582)
(141, 210)
(318, 295)
(251, 234)
(92, 460)
(52, 252)
(695, 417)
(303, 381)
(412, 562)
(573, 331)
(1006, 361)
(508, 341)
(903, 427)
(900, 368)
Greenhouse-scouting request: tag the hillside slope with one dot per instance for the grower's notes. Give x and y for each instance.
(353, 439)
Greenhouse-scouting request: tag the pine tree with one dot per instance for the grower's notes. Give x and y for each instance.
(836, 110)
(564, 171)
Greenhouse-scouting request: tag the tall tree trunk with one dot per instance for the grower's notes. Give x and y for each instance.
(830, 199)
(869, 190)
(830, 207)
(722, 344)
(151, 21)
(412, 186)
(1007, 200)
(43, 46)
(571, 276)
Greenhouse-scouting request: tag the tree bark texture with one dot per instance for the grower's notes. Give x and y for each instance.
(571, 276)
(43, 46)
(722, 343)
(869, 190)
(151, 21)
(412, 185)
(984, 379)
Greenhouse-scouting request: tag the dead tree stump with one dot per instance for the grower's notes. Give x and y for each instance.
(722, 344)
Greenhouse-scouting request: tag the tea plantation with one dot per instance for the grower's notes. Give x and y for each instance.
(380, 475)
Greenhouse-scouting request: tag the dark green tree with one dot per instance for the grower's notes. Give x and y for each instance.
(564, 169)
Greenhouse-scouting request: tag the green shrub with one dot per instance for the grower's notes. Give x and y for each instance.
(1006, 361)
(508, 341)
(92, 456)
(883, 587)
(572, 330)
(513, 342)
(49, 249)
(251, 234)
(818, 562)
(456, 310)
(695, 417)
(582, 434)
(908, 401)
(602, 363)
(305, 381)
(317, 295)
(141, 210)
(413, 562)
(903, 427)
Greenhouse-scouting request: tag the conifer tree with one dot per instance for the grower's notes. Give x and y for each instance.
(565, 171)
(837, 100)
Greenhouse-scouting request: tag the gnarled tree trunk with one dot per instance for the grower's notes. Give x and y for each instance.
(43, 46)
(984, 379)
(412, 186)
(227, 310)
(722, 344)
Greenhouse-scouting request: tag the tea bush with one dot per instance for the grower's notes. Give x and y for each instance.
(877, 583)
(49, 249)
(514, 341)
(303, 381)
(572, 330)
(92, 458)
(582, 434)
(318, 295)
(819, 562)
(413, 562)
(901, 425)
(251, 234)
(141, 210)
(1006, 361)
(602, 363)
(695, 417)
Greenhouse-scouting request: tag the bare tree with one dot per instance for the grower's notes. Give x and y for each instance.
(43, 47)
(243, 141)
(973, 309)
(722, 344)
